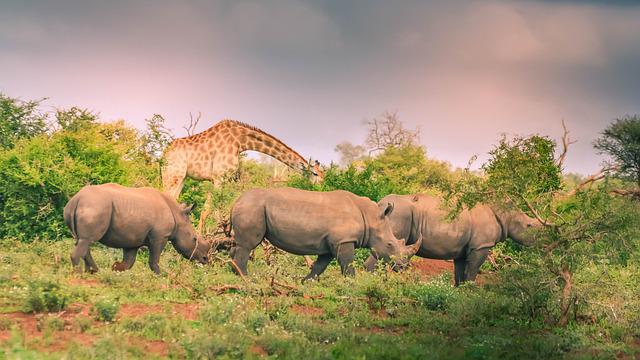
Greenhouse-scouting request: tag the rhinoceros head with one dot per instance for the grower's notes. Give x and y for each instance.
(185, 239)
(521, 228)
(385, 245)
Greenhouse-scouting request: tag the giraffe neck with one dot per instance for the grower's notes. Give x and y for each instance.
(257, 140)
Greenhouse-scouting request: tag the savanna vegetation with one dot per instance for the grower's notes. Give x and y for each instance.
(574, 294)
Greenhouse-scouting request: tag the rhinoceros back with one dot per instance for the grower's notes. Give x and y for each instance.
(118, 216)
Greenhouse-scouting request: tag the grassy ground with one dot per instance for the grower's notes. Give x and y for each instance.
(191, 311)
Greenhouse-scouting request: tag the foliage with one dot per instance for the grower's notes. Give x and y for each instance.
(394, 315)
(621, 141)
(44, 296)
(75, 119)
(20, 119)
(401, 170)
(105, 309)
(156, 137)
(39, 174)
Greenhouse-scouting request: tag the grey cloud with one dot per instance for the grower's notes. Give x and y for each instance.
(311, 71)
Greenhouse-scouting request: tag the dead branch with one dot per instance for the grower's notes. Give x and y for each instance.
(591, 179)
(566, 141)
(634, 193)
(193, 123)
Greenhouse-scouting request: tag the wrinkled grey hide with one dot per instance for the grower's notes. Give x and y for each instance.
(467, 239)
(129, 218)
(327, 224)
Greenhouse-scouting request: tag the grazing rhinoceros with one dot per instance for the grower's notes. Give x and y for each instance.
(467, 239)
(327, 224)
(129, 218)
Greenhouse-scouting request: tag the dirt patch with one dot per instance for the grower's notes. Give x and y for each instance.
(429, 268)
(307, 310)
(258, 350)
(187, 311)
(157, 347)
(4, 335)
(85, 282)
(137, 310)
(32, 328)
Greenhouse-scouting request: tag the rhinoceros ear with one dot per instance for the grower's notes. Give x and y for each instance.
(387, 210)
(415, 198)
(187, 208)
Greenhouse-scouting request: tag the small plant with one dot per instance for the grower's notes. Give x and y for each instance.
(82, 323)
(105, 310)
(5, 324)
(45, 296)
(435, 296)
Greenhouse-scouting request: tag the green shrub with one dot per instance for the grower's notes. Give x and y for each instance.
(105, 310)
(435, 295)
(83, 323)
(45, 296)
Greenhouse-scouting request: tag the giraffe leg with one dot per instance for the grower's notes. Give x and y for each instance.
(173, 175)
(206, 211)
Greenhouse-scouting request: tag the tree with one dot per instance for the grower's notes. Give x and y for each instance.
(156, 137)
(621, 141)
(349, 152)
(388, 131)
(20, 119)
(75, 119)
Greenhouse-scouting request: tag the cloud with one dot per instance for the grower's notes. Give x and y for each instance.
(310, 72)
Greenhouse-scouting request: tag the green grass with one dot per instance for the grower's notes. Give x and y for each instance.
(381, 315)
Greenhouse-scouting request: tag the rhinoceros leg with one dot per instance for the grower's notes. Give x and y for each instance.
(128, 259)
(80, 251)
(240, 258)
(319, 266)
(345, 254)
(370, 263)
(90, 264)
(475, 258)
(155, 249)
(459, 266)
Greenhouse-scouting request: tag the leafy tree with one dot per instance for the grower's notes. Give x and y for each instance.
(156, 137)
(75, 119)
(621, 141)
(20, 119)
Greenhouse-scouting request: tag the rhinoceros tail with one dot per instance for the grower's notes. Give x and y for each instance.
(70, 215)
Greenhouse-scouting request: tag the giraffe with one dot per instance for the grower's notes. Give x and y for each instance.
(210, 154)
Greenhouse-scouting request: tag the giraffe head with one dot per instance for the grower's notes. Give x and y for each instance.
(317, 174)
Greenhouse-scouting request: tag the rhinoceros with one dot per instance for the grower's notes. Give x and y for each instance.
(467, 239)
(327, 224)
(129, 218)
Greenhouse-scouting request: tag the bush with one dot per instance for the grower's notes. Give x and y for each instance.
(39, 175)
(45, 296)
(105, 310)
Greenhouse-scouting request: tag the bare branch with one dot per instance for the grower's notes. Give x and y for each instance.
(193, 123)
(388, 131)
(566, 141)
(591, 179)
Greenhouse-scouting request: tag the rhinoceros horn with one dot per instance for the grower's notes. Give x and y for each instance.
(413, 249)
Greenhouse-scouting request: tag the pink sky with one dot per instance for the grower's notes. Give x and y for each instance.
(311, 72)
